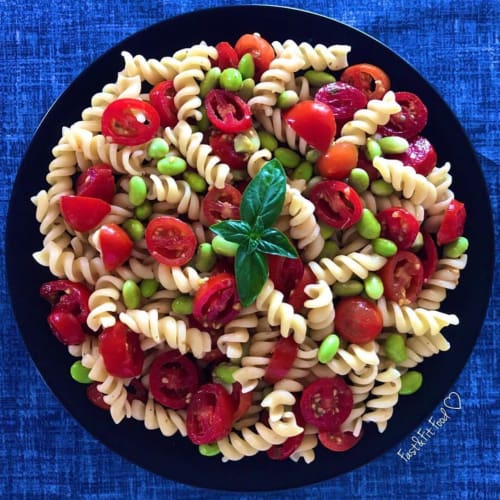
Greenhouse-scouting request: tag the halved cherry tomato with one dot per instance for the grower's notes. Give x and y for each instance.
(67, 296)
(241, 401)
(209, 414)
(136, 391)
(216, 302)
(259, 48)
(337, 204)
(116, 246)
(420, 155)
(368, 78)
(326, 403)
(170, 240)
(338, 161)
(223, 146)
(283, 355)
(452, 225)
(66, 327)
(410, 121)
(227, 111)
(130, 121)
(298, 296)
(161, 97)
(221, 204)
(284, 272)
(173, 378)
(366, 164)
(121, 351)
(399, 226)
(97, 182)
(226, 56)
(428, 256)
(96, 397)
(343, 99)
(290, 446)
(339, 441)
(83, 213)
(314, 122)
(402, 276)
(358, 320)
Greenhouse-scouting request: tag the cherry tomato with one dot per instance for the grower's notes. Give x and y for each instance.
(402, 276)
(209, 414)
(343, 99)
(283, 356)
(428, 256)
(298, 296)
(399, 226)
(227, 111)
(452, 225)
(337, 204)
(241, 401)
(136, 391)
(130, 122)
(284, 272)
(116, 246)
(226, 56)
(326, 403)
(370, 79)
(216, 302)
(410, 121)
(66, 327)
(314, 122)
(357, 320)
(170, 240)
(420, 155)
(96, 397)
(97, 182)
(338, 161)
(260, 49)
(221, 204)
(339, 441)
(161, 97)
(223, 146)
(173, 378)
(121, 351)
(83, 213)
(67, 296)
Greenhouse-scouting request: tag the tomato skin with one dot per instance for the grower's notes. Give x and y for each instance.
(366, 164)
(399, 226)
(170, 241)
(339, 441)
(161, 97)
(221, 204)
(402, 276)
(136, 391)
(283, 356)
(116, 246)
(358, 320)
(222, 145)
(452, 225)
(67, 296)
(121, 351)
(241, 401)
(66, 327)
(364, 76)
(227, 56)
(338, 161)
(298, 296)
(83, 213)
(96, 397)
(314, 122)
(420, 155)
(259, 48)
(343, 99)
(284, 272)
(209, 414)
(428, 256)
(227, 111)
(130, 121)
(97, 182)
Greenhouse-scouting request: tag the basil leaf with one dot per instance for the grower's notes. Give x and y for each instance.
(236, 231)
(265, 195)
(273, 241)
(251, 274)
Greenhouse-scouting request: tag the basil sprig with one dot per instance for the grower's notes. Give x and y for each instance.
(261, 205)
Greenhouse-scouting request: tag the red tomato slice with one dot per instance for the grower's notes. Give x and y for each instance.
(420, 155)
(116, 246)
(221, 204)
(97, 182)
(96, 397)
(121, 351)
(314, 121)
(282, 359)
(170, 240)
(83, 213)
(227, 111)
(337, 204)
(226, 56)
(223, 146)
(410, 121)
(173, 378)
(402, 276)
(343, 99)
(259, 48)
(67, 296)
(136, 391)
(428, 256)
(161, 97)
(216, 302)
(399, 226)
(357, 320)
(339, 441)
(285, 272)
(241, 401)
(369, 79)
(326, 403)
(452, 225)
(66, 327)
(209, 414)
(298, 296)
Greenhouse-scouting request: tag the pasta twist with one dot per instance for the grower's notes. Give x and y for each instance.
(152, 71)
(307, 446)
(104, 302)
(116, 396)
(185, 279)
(155, 416)
(354, 358)
(378, 203)
(425, 346)
(236, 333)
(321, 312)
(257, 160)
(281, 420)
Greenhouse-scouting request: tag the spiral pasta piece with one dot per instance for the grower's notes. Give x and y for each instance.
(378, 203)
(185, 279)
(354, 358)
(281, 420)
(236, 333)
(155, 416)
(306, 447)
(424, 346)
(321, 312)
(150, 70)
(115, 395)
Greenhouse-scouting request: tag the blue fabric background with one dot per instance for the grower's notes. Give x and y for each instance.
(44, 45)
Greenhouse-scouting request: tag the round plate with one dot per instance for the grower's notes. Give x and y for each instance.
(176, 458)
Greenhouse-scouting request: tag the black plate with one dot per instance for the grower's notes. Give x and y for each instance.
(175, 458)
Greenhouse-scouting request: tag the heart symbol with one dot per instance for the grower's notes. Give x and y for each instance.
(453, 401)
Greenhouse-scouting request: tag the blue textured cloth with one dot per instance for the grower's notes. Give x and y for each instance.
(44, 45)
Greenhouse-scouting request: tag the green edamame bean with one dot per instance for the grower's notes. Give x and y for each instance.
(456, 248)
(224, 247)
(411, 382)
(359, 179)
(158, 148)
(418, 242)
(328, 348)
(368, 226)
(384, 247)
(246, 66)
(395, 348)
(303, 171)
(134, 228)
(205, 257)
(203, 123)
(131, 294)
(347, 289)
(372, 149)
(171, 165)
(313, 155)
(137, 190)
(318, 78)
(326, 231)
(287, 99)
(381, 188)
(210, 81)
(80, 373)
(374, 288)
(246, 89)
(267, 140)
(231, 79)
(224, 372)
(144, 211)
(393, 145)
(209, 450)
(196, 182)
(183, 304)
(149, 287)
(330, 250)
(287, 157)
